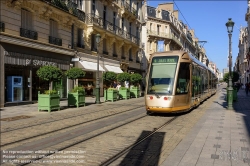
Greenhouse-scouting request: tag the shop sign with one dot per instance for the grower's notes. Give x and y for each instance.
(36, 62)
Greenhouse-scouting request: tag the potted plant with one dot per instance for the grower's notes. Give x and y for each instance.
(77, 96)
(50, 100)
(110, 94)
(135, 79)
(124, 92)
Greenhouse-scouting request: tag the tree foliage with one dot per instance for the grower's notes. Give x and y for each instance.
(75, 73)
(49, 73)
(135, 78)
(122, 77)
(235, 77)
(109, 77)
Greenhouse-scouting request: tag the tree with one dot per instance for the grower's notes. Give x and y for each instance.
(135, 78)
(50, 73)
(109, 77)
(235, 77)
(75, 73)
(122, 77)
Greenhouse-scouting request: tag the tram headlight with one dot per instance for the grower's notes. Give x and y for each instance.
(151, 97)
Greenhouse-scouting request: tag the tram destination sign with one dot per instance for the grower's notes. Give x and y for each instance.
(165, 59)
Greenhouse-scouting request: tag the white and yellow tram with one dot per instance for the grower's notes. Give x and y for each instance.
(176, 82)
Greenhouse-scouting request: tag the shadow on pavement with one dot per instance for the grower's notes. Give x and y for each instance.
(147, 152)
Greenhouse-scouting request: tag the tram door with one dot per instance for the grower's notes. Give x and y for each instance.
(182, 92)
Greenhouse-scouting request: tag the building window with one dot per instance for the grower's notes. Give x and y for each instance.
(53, 28)
(26, 19)
(80, 38)
(122, 23)
(150, 27)
(93, 43)
(130, 29)
(93, 6)
(158, 29)
(80, 4)
(114, 20)
(130, 55)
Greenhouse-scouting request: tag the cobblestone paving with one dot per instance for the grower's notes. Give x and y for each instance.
(103, 147)
(22, 134)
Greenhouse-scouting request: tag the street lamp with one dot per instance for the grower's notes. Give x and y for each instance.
(230, 25)
(97, 99)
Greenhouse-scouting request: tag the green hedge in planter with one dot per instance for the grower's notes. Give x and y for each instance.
(111, 94)
(124, 93)
(76, 97)
(49, 101)
(135, 92)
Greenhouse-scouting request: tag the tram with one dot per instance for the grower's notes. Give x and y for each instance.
(177, 82)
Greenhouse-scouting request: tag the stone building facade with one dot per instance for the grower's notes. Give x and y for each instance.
(62, 33)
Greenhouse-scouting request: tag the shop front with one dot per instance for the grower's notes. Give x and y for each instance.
(21, 83)
(89, 64)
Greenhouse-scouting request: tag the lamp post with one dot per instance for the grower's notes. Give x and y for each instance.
(97, 99)
(230, 25)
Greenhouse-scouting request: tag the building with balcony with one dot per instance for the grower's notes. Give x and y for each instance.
(55, 32)
(242, 63)
(33, 34)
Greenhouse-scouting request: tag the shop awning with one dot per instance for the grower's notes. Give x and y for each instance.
(92, 66)
(114, 69)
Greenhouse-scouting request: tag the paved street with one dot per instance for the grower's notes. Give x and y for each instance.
(208, 135)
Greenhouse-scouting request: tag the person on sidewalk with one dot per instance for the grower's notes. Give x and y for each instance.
(247, 88)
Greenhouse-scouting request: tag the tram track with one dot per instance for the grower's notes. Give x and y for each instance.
(140, 116)
(127, 149)
(45, 133)
(63, 118)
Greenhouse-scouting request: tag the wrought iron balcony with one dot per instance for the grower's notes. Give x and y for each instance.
(123, 57)
(2, 27)
(137, 61)
(28, 34)
(59, 3)
(105, 52)
(80, 45)
(114, 55)
(55, 41)
(128, 7)
(81, 15)
(130, 59)
(108, 26)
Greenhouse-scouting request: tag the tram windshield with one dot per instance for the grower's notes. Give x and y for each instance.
(161, 76)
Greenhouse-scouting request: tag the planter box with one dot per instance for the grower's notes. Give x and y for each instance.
(111, 95)
(135, 92)
(124, 94)
(76, 99)
(48, 102)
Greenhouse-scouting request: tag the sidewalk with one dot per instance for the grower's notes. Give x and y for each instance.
(220, 138)
(31, 109)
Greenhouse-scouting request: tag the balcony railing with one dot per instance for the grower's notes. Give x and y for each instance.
(164, 35)
(68, 6)
(80, 45)
(108, 26)
(2, 27)
(130, 59)
(137, 61)
(129, 8)
(55, 41)
(105, 52)
(28, 34)
(123, 57)
(81, 15)
(114, 55)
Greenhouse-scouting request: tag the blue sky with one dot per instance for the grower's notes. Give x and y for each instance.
(208, 19)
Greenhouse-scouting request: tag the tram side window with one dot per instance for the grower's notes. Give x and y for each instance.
(182, 86)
